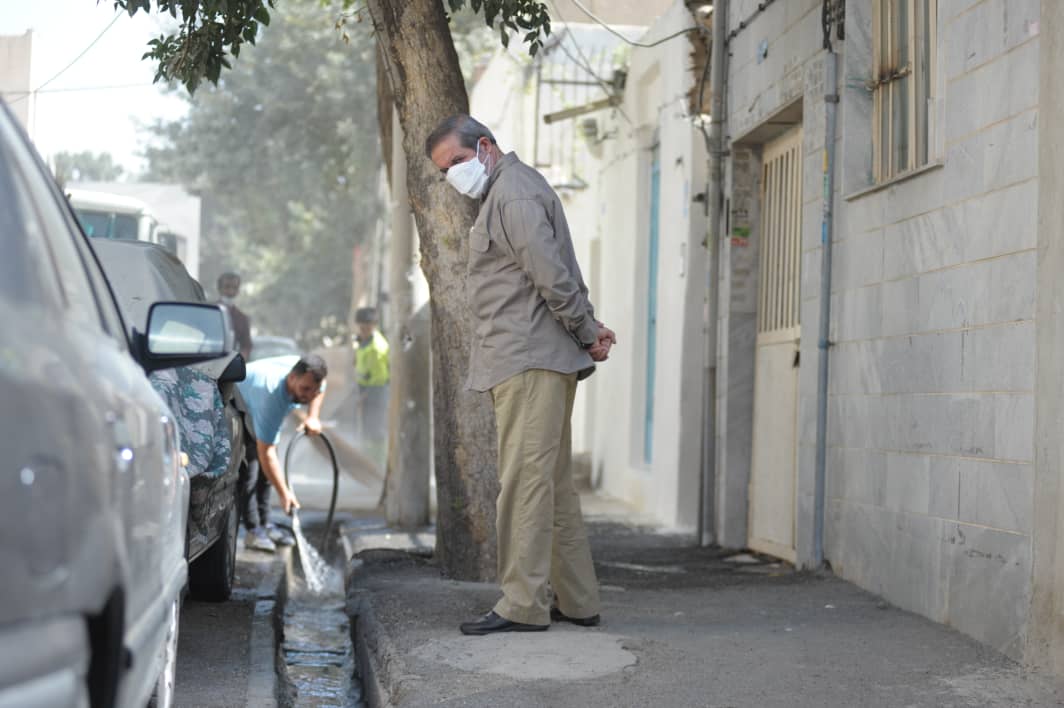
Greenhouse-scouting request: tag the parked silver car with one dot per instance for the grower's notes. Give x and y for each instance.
(93, 496)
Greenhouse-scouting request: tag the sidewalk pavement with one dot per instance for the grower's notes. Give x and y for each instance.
(681, 626)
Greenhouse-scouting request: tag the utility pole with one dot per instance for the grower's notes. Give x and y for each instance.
(406, 498)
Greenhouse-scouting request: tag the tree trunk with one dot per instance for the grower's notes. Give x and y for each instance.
(427, 83)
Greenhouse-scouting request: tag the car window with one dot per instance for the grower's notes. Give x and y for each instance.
(100, 224)
(45, 221)
(26, 273)
(112, 316)
(42, 224)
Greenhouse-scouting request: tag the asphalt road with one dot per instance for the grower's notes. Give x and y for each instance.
(214, 651)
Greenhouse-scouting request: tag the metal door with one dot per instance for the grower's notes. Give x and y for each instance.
(774, 467)
(652, 305)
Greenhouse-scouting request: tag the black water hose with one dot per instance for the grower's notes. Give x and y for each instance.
(336, 481)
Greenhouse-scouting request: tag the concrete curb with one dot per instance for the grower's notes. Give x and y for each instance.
(263, 684)
(376, 656)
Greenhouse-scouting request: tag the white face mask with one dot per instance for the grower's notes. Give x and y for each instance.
(226, 300)
(469, 177)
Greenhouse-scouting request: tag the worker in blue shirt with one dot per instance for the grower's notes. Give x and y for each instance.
(272, 388)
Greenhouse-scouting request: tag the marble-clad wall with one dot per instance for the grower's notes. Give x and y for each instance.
(931, 410)
(931, 394)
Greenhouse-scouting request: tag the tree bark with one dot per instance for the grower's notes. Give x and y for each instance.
(427, 85)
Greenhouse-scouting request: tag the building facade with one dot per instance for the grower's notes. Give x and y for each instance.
(942, 465)
(945, 382)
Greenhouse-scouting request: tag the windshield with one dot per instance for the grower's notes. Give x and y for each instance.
(103, 224)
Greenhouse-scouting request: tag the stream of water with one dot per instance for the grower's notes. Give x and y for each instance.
(317, 647)
(319, 576)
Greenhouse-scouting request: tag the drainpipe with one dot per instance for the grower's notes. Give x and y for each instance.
(831, 102)
(715, 195)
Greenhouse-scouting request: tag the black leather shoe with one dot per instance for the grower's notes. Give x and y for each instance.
(492, 623)
(557, 616)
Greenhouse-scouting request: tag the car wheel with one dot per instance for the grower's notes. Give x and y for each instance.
(211, 575)
(163, 695)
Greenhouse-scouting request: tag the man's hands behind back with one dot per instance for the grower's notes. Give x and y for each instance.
(600, 350)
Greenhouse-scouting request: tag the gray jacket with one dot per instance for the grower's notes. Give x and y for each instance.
(528, 298)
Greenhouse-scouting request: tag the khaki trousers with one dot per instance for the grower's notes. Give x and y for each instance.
(540, 528)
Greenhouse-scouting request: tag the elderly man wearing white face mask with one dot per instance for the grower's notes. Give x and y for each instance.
(535, 336)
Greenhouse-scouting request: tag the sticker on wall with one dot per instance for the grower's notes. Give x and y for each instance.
(740, 236)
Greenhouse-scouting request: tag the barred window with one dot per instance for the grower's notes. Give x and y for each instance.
(903, 55)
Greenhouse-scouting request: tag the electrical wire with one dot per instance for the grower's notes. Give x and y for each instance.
(582, 64)
(614, 32)
(74, 61)
(586, 65)
(68, 89)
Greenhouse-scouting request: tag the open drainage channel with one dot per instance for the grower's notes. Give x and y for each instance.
(315, 660)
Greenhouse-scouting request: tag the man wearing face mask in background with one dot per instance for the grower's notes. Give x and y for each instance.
(228, 289)
(535, 336)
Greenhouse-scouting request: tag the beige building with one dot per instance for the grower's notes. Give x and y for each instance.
(15, 77)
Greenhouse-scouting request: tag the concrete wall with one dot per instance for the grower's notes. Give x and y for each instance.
(931, 393)
(15, 60)
(655, 104)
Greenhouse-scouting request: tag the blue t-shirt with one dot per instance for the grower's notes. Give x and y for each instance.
(266, 396)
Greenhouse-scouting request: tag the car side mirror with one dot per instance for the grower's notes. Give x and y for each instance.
(183, 333)
(235, 371)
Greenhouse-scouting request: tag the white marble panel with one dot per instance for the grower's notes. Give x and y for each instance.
(1000, 358)
(812, 261)
(1014, 426)
(949, 9)
(915, 578)
(857, 261)
(907, 486)
(999, 495)
(860, 474)
(856, 313)
(988, 30)
(854, 368)
(926, 242)
(1011, 153)
(901, 303)
(944, 500)
(993, 92)
(989, 584)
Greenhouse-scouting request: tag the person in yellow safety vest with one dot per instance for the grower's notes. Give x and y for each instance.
(372, 376)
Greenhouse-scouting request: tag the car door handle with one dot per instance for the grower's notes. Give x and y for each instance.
(123, 441)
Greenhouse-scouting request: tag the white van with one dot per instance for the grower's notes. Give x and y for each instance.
(112, 216)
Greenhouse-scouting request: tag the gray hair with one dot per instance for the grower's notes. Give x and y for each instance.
(467, 128)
